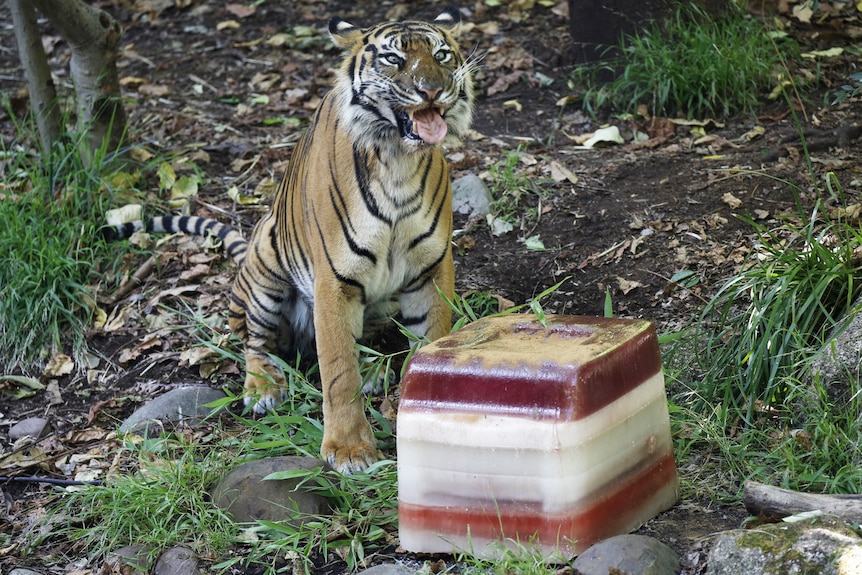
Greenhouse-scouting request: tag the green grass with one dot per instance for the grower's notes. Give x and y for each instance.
(692, 65)
(517, 197)
(745, 403)
(52, 255)
(769, 318)
(163, 504)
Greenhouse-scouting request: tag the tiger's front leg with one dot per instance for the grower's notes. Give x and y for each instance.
(348, 441)
(254, 317)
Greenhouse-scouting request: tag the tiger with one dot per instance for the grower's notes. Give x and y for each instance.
(361, 219)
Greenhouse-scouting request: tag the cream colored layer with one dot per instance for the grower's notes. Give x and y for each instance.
(513, 432)
(444, 459)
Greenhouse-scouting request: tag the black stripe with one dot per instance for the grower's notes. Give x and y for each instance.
(409, 287)
(338, 275)
(365, 188)
(422, 237)
(416, 320)
(347, 227)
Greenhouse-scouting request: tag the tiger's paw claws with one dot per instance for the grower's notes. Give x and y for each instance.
(351, 459)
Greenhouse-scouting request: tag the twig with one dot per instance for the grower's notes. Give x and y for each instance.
(48, 480)
(134, 281)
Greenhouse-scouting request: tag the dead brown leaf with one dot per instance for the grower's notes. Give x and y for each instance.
(240, 10)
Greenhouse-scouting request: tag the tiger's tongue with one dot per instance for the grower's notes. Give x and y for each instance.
(429, 124)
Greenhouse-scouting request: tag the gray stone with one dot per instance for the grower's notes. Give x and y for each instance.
(470, 195)
(132, 559)
(809, 546)
(627, 555)
(181, 405)
(389, 569)
(840, 358)
(177, 561)
(248, 498)
(23, 571)
(34, 427)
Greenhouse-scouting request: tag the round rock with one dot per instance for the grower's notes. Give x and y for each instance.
(177, 561)
(184, 404)
(389, 569)
(470, 195)
(248, 498)
(628, 555)
(34, 427)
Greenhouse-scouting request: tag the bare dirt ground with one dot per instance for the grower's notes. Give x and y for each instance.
(228, 88)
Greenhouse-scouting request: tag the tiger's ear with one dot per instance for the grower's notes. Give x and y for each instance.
(449, 19)
(343, 33)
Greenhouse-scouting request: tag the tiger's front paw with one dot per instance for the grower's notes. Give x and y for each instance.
(261, 402)
(351, 456)
(263, 388)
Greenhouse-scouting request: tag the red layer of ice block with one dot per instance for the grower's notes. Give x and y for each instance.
(572, 368)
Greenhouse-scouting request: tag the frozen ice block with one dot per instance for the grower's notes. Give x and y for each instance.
(553, 436)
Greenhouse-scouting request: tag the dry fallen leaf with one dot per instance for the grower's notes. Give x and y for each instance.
(59, 364)
(608, 135)
(124, 214)
(628, 285)
(196, 272)
(240, 10)
(731, 200)
(154, 90)
(559, 173)
(513, 104)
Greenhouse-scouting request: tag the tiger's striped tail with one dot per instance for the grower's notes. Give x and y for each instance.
(234, 244)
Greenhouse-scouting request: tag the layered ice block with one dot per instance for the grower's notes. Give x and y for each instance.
(555, 436)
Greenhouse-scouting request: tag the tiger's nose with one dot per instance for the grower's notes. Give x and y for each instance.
(429, 93)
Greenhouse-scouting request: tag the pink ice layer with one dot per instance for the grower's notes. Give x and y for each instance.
(551, 436)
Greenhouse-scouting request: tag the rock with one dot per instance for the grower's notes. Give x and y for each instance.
(389, 569)
(244, 494)
(184, 404)
(23, 571)
(816, 545)
(34, 427)
(471, 196)
(839, 359)
(132, 559)
(177, 561)
(627, 555)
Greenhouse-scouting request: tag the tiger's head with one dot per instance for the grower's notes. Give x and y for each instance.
(404, 81)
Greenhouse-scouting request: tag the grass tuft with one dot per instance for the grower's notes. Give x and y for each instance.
(693, 65)
(52, 253)
(745, 402)
(164, 504)
(771, 316)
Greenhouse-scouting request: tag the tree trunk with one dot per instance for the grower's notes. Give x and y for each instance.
(43, 95)
(93, 37)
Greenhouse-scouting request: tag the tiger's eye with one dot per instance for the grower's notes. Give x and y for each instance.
(443, 56)
(391, 59)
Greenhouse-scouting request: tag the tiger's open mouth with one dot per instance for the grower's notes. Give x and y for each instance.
(426, 125)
